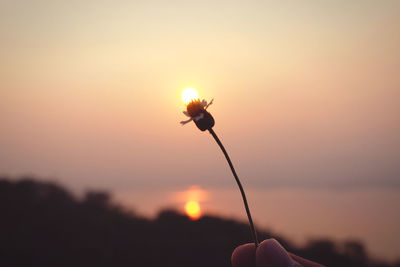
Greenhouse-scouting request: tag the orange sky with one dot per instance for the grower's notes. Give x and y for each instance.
(306, 96)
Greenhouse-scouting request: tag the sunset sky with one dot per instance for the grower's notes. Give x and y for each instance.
(306, 100)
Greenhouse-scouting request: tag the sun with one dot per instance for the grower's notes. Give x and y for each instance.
(192, 209)
(189, 95)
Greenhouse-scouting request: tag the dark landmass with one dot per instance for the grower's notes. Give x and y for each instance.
(42, 224)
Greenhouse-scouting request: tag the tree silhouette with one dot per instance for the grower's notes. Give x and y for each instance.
(43, 225)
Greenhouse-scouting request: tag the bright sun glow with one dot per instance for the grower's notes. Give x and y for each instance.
(192, 209)
(189, 95)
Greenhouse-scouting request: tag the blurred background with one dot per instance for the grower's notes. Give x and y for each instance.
(305, 101)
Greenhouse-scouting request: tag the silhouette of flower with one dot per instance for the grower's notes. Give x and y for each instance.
(197, 111)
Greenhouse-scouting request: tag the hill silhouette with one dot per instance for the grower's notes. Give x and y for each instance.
(42, 224)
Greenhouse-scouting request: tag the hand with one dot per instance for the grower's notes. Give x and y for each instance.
(269, 254)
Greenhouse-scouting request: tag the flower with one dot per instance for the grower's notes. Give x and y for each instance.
(197, 112)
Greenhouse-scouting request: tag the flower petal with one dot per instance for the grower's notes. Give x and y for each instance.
(184, 122)
(212, 100)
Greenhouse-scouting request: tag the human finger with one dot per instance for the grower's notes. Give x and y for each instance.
(271, 254)
(244, 256)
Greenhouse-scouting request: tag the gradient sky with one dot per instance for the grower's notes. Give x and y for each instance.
(305, 99)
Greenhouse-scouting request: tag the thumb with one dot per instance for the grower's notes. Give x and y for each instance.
(270, 254)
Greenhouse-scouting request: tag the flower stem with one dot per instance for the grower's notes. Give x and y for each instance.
(252, 228)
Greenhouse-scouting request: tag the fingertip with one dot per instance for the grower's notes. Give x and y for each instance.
(271, 253)
(244, 256)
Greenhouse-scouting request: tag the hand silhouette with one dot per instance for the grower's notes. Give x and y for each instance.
(268, 254)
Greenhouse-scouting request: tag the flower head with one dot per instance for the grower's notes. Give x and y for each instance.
(196, 110)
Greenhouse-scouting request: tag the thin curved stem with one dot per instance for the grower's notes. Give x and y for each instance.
(252, 228)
